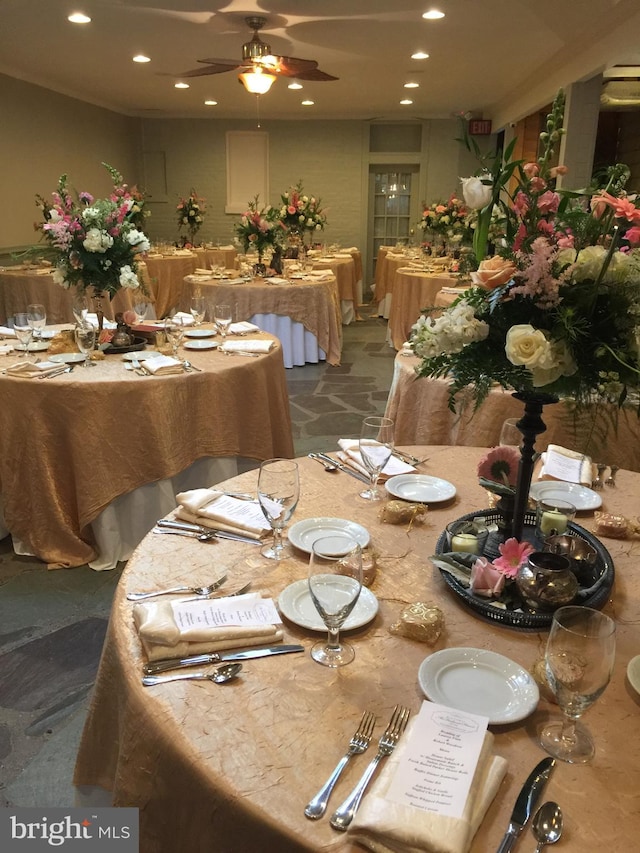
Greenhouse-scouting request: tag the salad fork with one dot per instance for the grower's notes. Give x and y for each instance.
(611, 479)
(358, 744)
(345, 813)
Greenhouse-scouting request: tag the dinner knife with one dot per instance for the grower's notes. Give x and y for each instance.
(525, 804)
(217, 657)
(198, 528)
(342, 467)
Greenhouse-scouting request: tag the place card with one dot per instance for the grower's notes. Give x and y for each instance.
(561, 466)
(438, 760)
(246, 611)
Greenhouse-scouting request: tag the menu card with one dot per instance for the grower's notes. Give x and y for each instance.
(439, 760)
(247, 611)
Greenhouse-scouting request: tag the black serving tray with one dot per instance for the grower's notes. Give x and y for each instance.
(137, 345)
(600, 578)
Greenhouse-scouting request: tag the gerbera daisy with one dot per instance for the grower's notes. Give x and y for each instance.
(512, 555)
(500, 465)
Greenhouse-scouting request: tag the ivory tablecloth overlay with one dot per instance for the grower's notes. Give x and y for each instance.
(418, 406)
(315, 304)
(344, 270)
(18, 289)
(70, 445)
(413, 290)
(231, 768)
(164, 278)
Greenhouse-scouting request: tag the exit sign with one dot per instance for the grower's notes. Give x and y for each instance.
(480, 126)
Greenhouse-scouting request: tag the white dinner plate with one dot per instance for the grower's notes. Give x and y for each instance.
(200, 333)
(296, 605)
(206, 344)
(557, 490)
(140, 355)
(34, 346)
(67, 357)
(633, 673)
(480, 682)
(420, 487)
(304, 533)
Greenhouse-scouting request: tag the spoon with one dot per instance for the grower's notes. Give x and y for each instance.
(194, 590)
(547, 824)
(326, 465)
(188, 366)
(220, 675)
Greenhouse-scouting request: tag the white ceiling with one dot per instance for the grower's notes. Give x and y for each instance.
(493, 58)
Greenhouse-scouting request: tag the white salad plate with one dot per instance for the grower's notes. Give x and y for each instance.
(141, 355)
(34, 346)
(420, 487)
(200, 333)
(304, 533)
(557, 490)
(206, 344)
(67, 357)
(480, 682)
(296, 604)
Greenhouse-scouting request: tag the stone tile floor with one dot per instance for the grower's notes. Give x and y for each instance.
(52, 623)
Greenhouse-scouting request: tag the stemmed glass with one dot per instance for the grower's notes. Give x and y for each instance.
(335, 582)
(198, 309)
(140, 306)
(376, 444)
(85, 336)
(80, 309)
(37, 315)
(223, 317)
(510, 435)
(174, 329)
(278, 493)
(23, 329)
(579, 662)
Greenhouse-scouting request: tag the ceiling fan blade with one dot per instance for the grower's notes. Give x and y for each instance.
(211, 67)
(304, 69)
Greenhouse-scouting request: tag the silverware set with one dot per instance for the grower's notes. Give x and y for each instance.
(600, 480)
(358, 744)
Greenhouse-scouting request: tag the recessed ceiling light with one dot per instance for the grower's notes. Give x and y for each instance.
(141, 58)
(406, 101)
(211, 103)
(307, 103)
(182, 85)
(295, 85)
(411, 85)
(420, 54)
(433, 15)
(79, 18)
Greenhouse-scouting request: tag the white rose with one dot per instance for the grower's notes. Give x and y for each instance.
(527, 346)
(59, 277)
(476, 193)
(128, 278)
(97, 241)
(562, 365)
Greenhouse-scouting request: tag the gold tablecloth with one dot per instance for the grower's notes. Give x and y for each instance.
(315, 304)
(70, 445)
(418, 407)
(223, 256)
(164, 278)
(413, 290)
(231, 768)
(345, 272)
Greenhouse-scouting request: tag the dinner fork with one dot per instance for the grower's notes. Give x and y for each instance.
(345, 813)
(358, 744)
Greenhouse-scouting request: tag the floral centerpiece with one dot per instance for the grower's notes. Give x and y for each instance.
(301, 213)
(450, 219)
(191, 212)
(94, 243)
(260, 228)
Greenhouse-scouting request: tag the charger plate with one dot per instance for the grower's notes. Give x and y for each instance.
(600, 580)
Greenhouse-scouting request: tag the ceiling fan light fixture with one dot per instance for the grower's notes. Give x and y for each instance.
(256, 81)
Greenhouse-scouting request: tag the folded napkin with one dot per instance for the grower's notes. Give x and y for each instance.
(350, 453)
(559, 463)
(93, 320)
(161, 637)
(212, 508)
(389, 827)
(246, 346)
(30, 370)
(183, 253)
(6, 332)
(225, 248)
(5, 349)
(456, 290)
(184, 318)
(277, 280)
(161, 365)
(243, 327)
(41, 271)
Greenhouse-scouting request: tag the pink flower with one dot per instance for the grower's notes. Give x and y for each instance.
(500, 465)
(538, 185)
(548, 202)
(633, 235)
(531, 170)
(521, 204)
(566, 241)
(512, 555)
(599, 203)
(625, 209)
(558, 170)
(486, 580)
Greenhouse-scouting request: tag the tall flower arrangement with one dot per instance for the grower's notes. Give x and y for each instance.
(260, 228)
(450, 218)
(301, 213)
(93, 242)
(191, 212)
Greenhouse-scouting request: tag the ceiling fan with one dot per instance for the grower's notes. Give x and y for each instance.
(259, 68)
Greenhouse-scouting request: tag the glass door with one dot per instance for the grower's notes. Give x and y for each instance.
(393, 207)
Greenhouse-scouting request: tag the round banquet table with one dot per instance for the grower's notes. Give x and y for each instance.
(345, 269)
(76, 449)
(225, 256)
(303, 313)
(163, 275)
(413, 290)
(419, 409)
(231, 768)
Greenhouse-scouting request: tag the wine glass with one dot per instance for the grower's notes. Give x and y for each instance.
(278, 493)
(510, 435)
(198, 309)
(223, 317)
(579, 662)
(335, 582)
(140, 306)
(174, 330)
(85, 336)
(376, 444)
(37, 315)
(80, 308)
(23, 329)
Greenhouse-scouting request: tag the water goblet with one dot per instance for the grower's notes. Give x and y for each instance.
(80, 308)
(174, 330)
(23, 329)
(223, 317)
(37, 315)
(579, 661)
(85, 337)
(198, 309)
(510, 435)
(278, 493)
(376, 444)
(140, 304)
(335, 582)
